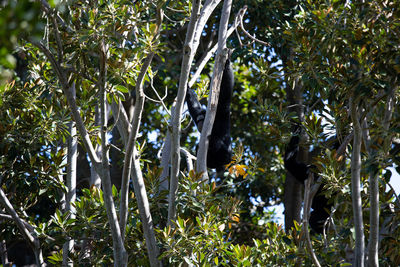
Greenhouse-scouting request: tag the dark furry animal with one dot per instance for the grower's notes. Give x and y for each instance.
(219, 148)
(298, 169)
(320, 204)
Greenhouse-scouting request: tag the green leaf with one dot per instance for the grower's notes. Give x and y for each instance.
(122, 88)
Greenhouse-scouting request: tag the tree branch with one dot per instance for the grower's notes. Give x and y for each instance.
(120, 255)
(308, 197)
(132, 158)
(221, 57)
(188, 55)
(22, 226)
(71, 183)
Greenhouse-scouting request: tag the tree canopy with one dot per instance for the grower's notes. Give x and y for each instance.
(100, 162)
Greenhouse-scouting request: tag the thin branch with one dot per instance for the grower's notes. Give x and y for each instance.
(120, 254)
(308, 197)
(160, 99)
(71, 183)
(132, 141)
(9, 217)
(46, 8)
(206, 57)
(239, 20)
(189, 158)
(71, 102)
(26, 233)
(205, 13)
(132, 158)
(121, 119)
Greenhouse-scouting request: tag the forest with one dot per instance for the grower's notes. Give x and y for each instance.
(166, 133)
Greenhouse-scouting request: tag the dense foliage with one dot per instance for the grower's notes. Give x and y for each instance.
(321, 57)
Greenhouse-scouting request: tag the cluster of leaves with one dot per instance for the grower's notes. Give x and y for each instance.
(31, 162)
(204, 233)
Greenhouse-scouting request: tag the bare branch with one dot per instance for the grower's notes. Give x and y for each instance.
(308, 198)
(132, 158)
(71, 183)
(120, 255)
(121, 119)
(203, 61)
(239, 20)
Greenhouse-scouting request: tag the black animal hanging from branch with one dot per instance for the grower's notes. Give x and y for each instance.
(219, 147)
(320, 204)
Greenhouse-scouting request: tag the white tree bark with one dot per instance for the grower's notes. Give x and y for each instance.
(359, 253)
(373, 244)
(188, 55)
(132, 160)
(71, 183)
(95, 179)
(221, 57)
(120, 255)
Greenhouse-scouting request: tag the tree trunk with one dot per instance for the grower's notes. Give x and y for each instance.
(359, 252)
(71, 185)
(292, 188)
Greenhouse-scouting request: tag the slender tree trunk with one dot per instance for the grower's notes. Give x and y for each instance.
(194, 30)
(71, 184)
(188, 55)
(120, 255)
(373, 244)
(220, 60)
(359, 253)
(308, 197)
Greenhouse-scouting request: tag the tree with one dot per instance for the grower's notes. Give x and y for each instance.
(329, 68)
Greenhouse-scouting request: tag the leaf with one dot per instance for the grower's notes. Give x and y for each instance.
(121, 88)
(235, 218)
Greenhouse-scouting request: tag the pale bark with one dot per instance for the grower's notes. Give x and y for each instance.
(95, 179)
(359, 252)
(165, 158)
(71, 184)
(104, 175)
(188, 55)
(220, 60)
(131, 156)
(131, 161)
(373, 244)
(195, 28)
(120, 254)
